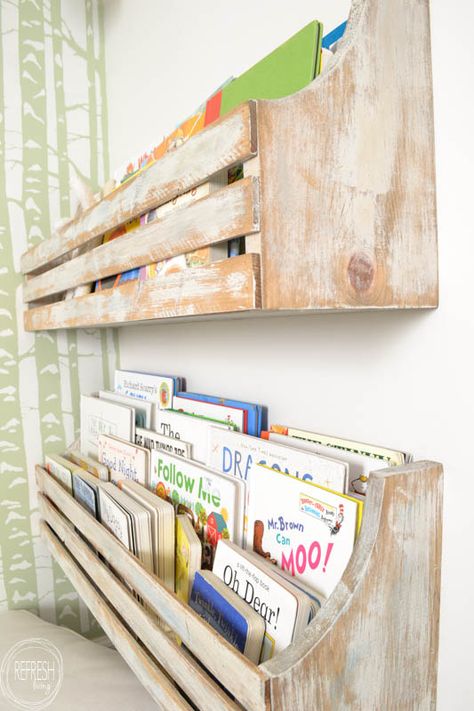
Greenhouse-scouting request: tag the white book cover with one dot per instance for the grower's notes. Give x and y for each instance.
(275, 603)
(143, 409)
(151, 387)
(361, 458)
(104, 417)
(215, 501)
(303, 528)
(115, 519)
(238, 454)
(186, 428)
(153, 440)
(124, 460)
(60, 469)
(232, 416)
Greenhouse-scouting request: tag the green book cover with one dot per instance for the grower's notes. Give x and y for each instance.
(287, 69)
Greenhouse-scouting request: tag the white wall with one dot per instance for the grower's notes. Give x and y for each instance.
(397, 379)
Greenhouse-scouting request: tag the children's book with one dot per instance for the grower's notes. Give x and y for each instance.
(256, 414)
(162, 519)
(361, 458)
(124, 460)
(234, 417)
(150, 387)
(143, 410)
(153, 440)
(188, 556)
(104, 417)
(238, 454)
(86, 495)
(303, 528)
(214, 501)
(284, 71)
(61, 469)
(188, 428)
(88, 463)
(228, 614)
(284, 609)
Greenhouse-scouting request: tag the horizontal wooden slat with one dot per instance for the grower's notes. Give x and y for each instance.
(242, 678)
(229, 141)
(192, 678)
(155, 681)
(222, 287)
(230, 212)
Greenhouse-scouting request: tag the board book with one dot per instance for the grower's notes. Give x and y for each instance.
(143, 410)
(188, 428)
(104, 417)
(188, 556)
(233, 417)
(228, 614)
(256, 414)
(153, 440)
(216, 502)
(124, 460)
(303, 528)
(151, 387)
(284, 609)
(88, 463)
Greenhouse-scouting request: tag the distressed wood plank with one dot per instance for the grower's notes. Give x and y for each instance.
(194, 681)
(347, 172)
(240, 676)
(229, 141)
(374, 645)
(222, 287)
(155, 681)
(230, 212)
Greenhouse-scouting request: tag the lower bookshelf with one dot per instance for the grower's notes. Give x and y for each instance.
(373, 645)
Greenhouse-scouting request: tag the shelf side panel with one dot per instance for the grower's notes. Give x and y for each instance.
(348, 174)
(222, 287)
(374, 645)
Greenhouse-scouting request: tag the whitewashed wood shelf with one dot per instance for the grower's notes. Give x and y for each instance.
(373, 645)
(337, 206)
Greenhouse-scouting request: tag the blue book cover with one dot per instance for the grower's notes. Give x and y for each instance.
(256, 417)
(219, 613)
(86, 496)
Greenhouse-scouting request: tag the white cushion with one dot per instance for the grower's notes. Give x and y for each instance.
(95, 677)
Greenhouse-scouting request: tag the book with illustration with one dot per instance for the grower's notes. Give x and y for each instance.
(284, 609)
(104, 417)
(124, 460)
(188, 556)
(153, 440)
(188, 428)
(151, 387)
(214, 501)
(256, 414)
(303, 528)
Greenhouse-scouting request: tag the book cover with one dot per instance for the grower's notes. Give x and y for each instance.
(124, 460)
(284, 71)
(234, 417)
(61, 469)
(361, 458)
(188, 556)
(187, 428)
(256, 414)
(214, 501)
(153, 440)
(303, 528)
(151, 387)
(90, 464)
(238, 454)
(219, 613)
(104, 417)
(277, 605)
(143, 409)
(86, 495)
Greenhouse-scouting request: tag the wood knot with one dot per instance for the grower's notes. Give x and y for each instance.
(361, 271)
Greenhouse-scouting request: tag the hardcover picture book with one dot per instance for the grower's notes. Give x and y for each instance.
(256, 414)
(284, 609)
(61, 469)
(143, 410)
(124, 460)
(187, 428)
(303, 528)
(214, 501)
(238, 454)
(228, 614)
(150, 387)
(234, 417)
(153, 440)
(104, 417)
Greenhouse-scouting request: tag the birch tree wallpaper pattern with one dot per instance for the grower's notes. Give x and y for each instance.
(53, 122)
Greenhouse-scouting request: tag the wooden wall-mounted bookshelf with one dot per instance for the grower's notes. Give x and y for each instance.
(373, 645)
(337, 205)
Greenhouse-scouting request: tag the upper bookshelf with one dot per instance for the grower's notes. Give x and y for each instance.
(337, 204)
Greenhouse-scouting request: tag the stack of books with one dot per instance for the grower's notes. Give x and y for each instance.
(251, 523)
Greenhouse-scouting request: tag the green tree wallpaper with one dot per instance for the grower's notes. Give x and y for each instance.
(53, 123)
